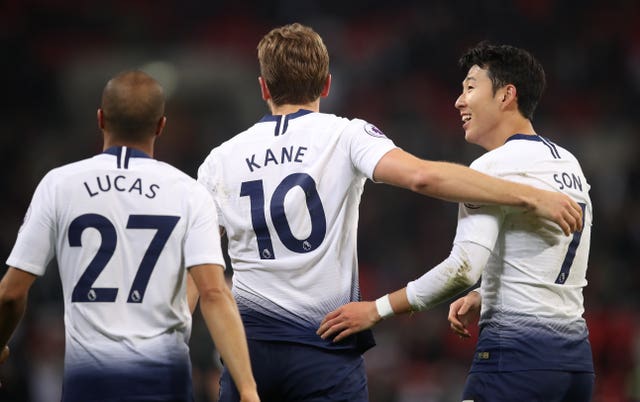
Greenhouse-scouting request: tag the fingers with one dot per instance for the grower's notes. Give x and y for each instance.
(574, 217)
(327, 327)
(330, 316)
(333, 323)
(565, 226)
(460, 331)
(577, 213)
(454, 309)
(344, 334)
(457, 319)
(335, 327)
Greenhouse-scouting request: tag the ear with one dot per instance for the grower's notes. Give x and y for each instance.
(161, 123)
(100, 118)
(266, 95)
(326, 88)
(509, 94)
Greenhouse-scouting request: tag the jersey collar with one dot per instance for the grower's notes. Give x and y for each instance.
(524, 137)
(275, 117)
(131, 152)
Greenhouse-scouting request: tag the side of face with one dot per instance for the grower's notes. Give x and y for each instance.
(479, 107)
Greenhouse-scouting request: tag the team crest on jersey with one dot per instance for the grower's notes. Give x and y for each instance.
(374, 131)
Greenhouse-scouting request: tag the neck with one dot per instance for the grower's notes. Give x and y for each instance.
(145, 146)
(517, 125)
(288, 108)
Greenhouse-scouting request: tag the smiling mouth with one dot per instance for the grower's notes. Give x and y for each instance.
(465, 120)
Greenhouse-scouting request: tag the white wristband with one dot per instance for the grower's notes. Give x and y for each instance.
(383, 305)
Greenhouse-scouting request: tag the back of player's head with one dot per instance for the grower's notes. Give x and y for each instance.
(132, 105)
(294, 64)
(509, 65)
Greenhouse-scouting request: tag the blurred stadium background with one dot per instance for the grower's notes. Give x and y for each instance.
(393, 64)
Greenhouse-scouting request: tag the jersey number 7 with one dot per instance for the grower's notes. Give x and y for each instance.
(571, 252)
(84, 290)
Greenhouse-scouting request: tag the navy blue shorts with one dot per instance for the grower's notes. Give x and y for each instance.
(530, 386)
(295, 372)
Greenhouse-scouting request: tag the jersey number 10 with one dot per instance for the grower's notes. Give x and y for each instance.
(255, 191)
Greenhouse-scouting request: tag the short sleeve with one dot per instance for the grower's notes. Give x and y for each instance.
(35, 244)
(207, 177)
(366, 145)
(202, 240)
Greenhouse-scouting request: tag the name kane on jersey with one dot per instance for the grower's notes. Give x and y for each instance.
(285, 155)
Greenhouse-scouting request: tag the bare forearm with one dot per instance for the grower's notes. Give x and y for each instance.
(192, 293)
(11, 312)
(14, 290)
(453, 182)
(221, 315)
(449, 181)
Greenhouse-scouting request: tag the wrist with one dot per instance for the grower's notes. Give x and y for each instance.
(383, 307)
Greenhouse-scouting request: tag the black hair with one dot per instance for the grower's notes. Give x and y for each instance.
(509, 65)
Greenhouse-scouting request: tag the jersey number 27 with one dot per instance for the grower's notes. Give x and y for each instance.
(84, 290)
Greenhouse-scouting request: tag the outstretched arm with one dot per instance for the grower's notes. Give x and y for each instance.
(14, 290)
(453, 182)
(458, 272)
(222, 317)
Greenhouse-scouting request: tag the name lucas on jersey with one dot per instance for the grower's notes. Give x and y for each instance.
(285, 155)
(122, 184)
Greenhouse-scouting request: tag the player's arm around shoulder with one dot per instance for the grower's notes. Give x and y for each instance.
(220, 313)
(453, 182)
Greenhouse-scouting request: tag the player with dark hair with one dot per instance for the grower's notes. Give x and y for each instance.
(534, 342)
(125, 229)
(287, 192)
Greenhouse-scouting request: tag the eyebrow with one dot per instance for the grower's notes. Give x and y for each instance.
(467, 79)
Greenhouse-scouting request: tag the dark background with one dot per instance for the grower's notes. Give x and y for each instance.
(393, 64)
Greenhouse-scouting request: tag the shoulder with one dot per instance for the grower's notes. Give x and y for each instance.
(513, 155)
(360, 126)
(357, 135)
(182, 184)
(62, 173)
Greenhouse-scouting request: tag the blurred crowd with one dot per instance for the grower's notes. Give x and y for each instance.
(393, 64)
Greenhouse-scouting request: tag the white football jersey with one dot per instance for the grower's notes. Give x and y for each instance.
(532, 302)
(123, 227)
(287, 192)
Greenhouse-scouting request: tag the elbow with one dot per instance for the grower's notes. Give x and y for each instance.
(467, 280)
(425, 181)
(14, 301)
(466, 276)
(215, 295)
